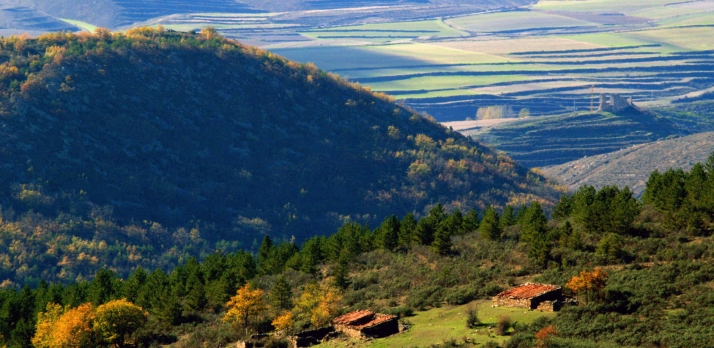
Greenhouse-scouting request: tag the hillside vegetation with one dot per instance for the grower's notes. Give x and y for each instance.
(119, 148)
(547, 141)
(631, 166)
(640, 269)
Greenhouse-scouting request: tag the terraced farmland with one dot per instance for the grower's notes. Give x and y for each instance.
(449, 60)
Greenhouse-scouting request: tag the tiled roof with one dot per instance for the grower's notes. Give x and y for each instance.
(527, 291)
(362, 319)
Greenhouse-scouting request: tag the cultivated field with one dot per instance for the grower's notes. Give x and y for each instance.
(449, 60)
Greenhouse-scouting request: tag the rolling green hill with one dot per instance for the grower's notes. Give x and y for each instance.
(127, 146)
(547, 141)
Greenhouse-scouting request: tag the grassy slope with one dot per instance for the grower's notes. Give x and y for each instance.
(437, 325)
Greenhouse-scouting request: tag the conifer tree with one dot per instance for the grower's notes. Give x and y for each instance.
(281, 296)
(508, 218)
(196, 299)
(442, 242)
(389, 233)
(535, 224)
(407, 230)
(424, 232)
(264, 253)
(490, 225)
(471, 222)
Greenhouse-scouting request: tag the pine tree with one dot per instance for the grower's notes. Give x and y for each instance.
(442, 242)
(424, 232)
(102, 288)
(490, 225)
(535, 224)
(471, 222)
(264, 253)
(341, 272)
(281, 296)
(196, 300)
(407, 230)
(389, 233)
(508, 218)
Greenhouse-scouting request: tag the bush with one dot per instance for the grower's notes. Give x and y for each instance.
(490, 289)
(400, 312)
(472, 319)
(491, 344)
(504, 323)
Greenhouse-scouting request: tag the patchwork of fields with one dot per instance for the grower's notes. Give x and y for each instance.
(548, 57)
(448, 60)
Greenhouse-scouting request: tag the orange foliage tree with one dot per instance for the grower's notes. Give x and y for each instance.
(247, 305)
(544, 335)
(74, 327)
(588, 283)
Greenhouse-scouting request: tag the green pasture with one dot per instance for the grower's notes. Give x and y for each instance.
(706, 18)
(84, 25)
(439, 324)
(629, 7)
(444, 82)
(683, 39)
(505, 21)
(434, 27)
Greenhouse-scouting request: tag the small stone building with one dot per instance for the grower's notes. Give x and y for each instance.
(366, 324)
(543, 297)
(310, 337)
(613, 103)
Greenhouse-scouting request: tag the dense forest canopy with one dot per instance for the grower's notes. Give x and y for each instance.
(150, 146)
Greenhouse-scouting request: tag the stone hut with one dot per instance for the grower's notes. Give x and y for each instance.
(310, 337)
(366, 324)
(613, 103)
(543, 297)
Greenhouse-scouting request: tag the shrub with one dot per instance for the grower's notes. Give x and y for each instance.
(504, 323)
(472, 319)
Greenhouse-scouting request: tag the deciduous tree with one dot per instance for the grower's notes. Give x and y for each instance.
(116, 320)
(245, 307)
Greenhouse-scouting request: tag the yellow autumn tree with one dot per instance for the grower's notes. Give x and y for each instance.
(318, 304)
(73, 329)
(115, 320)
(245, 307)
(588, 284)
(45, 325)
(284, 322)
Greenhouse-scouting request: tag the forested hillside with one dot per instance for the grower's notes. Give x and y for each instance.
(121, 148)
(640, 271)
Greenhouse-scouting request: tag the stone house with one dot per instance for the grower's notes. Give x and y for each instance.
(543, 297)
(366, 324)
(614, 103)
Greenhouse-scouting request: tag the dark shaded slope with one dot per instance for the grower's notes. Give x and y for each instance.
(180, 130)
(546, 141)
